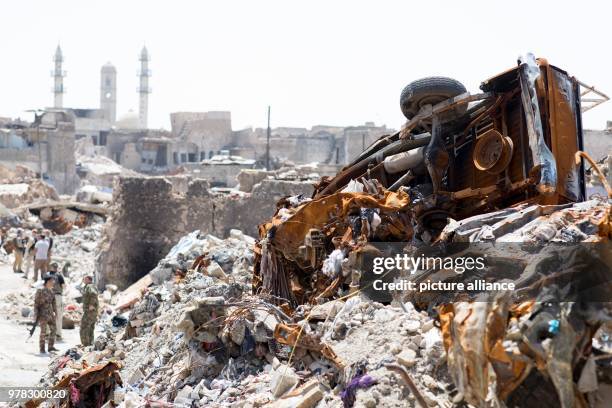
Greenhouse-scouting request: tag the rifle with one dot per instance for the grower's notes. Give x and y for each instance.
(33, 328)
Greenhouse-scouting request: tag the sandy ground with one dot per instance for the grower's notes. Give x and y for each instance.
(20, 362)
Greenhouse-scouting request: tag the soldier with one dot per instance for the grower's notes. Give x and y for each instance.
(58, 289)
(90, 311)
(41, 256)
(49, 237)
(29, 255)
(20, 246)
(44, 313)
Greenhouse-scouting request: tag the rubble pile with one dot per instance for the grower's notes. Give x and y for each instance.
(195, 332)
(21, 186)
(96, 169)
(202, 337)
(249, 178)
(78, 248)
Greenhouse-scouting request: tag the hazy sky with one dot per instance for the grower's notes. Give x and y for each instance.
(315, 62)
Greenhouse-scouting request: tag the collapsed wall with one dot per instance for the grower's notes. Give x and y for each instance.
(150, 215)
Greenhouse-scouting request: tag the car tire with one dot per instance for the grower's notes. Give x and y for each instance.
(428, 91)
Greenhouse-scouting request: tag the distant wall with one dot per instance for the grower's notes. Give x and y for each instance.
(598, 143)
(150, 215)
(223, 175)
(28, 157)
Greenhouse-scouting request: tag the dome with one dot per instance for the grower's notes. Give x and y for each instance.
(127, 121)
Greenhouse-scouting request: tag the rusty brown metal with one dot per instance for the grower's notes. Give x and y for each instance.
(563, 131)
(292, 335)
(492, 152)
(94, 383)
(408, 380)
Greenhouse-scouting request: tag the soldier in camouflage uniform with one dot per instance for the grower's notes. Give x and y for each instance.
(44, 312)
(90, 311)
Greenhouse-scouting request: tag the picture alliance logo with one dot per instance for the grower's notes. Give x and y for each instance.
(403, 262)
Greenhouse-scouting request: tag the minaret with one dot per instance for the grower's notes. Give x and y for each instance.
(58, 78)
(143, 88)
(108, 91)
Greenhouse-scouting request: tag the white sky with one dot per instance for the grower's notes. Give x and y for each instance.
(315, 62)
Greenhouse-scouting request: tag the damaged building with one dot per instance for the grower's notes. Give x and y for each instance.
(45, 146)
(204, 143)
(144, 207)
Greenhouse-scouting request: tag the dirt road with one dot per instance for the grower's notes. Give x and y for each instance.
(20, 363)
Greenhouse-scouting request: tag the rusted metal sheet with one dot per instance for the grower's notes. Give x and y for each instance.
(91, 387)
(564, 134)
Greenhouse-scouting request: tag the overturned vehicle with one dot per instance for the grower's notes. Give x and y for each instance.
(505, 166)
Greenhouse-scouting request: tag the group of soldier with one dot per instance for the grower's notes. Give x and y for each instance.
(34, 248)
(48, 310)
(48, 301)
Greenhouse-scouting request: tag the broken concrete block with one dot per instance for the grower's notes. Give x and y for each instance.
(407, 357)
(185, 392)
(135, 376)
(412, 326)
(237, 331)
(264, 323)
(327, 310)
(306, 396)
(428, 325)
(215, 270)
(283, 380)
(183, 402)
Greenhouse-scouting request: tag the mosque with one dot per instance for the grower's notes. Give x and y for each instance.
(98, 123)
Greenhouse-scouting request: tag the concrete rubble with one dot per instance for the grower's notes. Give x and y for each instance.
(197, 335)
(200, 336)
(21, 186)
(95, 169)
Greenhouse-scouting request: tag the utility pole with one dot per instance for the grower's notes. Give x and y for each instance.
(39, 148)
(268, 142)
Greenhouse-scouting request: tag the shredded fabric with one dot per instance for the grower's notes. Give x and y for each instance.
(359, 381)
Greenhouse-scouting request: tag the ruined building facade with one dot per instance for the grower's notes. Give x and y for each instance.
(46, 147)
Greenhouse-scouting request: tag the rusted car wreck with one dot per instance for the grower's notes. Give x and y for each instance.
(458, 155)
(465, 167)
